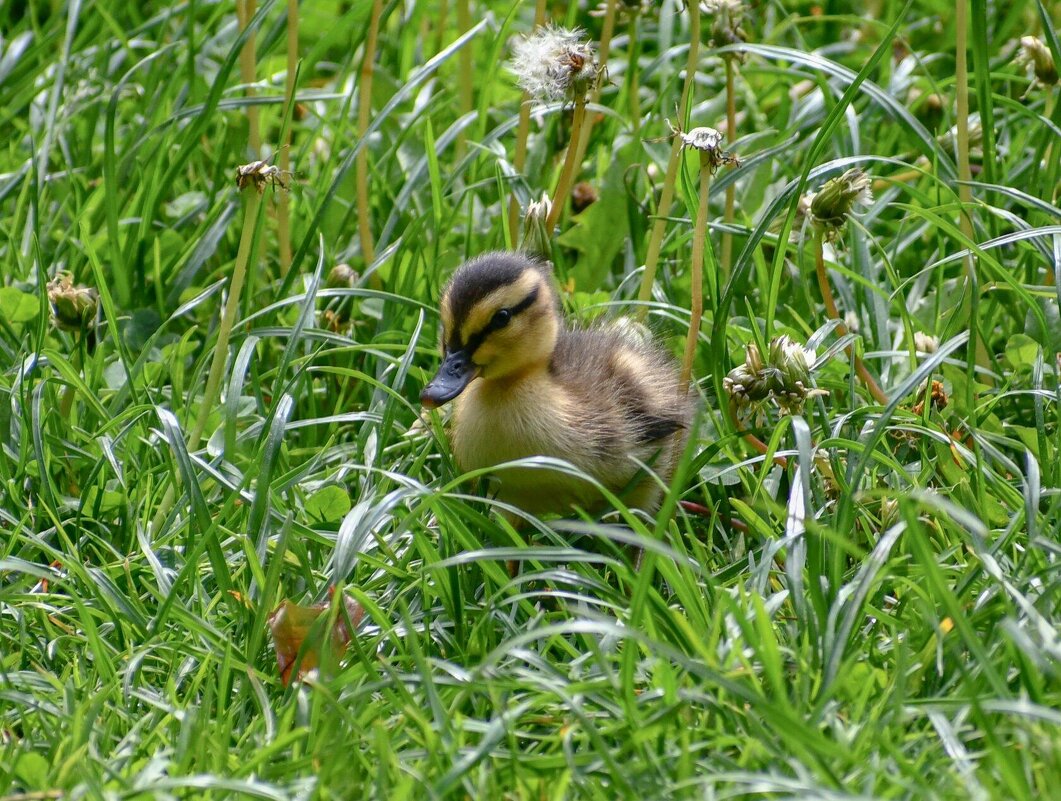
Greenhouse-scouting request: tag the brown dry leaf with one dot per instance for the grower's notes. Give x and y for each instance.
(291, 623)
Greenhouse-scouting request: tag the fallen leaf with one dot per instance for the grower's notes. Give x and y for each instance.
(291, 624)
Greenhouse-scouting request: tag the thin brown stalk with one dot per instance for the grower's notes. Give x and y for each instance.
(519, 159)
(248, 73)
(830, 307)
(603, 49)
(567, 172)
(696, 306)
(655, 242)
(284, 224)
(364, 114)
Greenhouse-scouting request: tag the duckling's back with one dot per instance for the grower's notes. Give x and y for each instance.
(629, 405)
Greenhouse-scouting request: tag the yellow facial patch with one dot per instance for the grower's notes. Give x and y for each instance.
(501, 298)
(447, 317)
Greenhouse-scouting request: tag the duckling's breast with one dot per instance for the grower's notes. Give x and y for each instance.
(497, 422)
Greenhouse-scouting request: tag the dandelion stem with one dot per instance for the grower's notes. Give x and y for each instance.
(655, 241)
(364, 112)
(696, 305)
(284, 223)
(567, 172)
(731, 190)
(248, 69)
(519, 159)
(603, 49)
(830, 307)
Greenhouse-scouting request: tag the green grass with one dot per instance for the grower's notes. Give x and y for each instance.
(882, 625)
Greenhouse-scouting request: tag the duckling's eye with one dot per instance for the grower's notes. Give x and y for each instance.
(500, 318)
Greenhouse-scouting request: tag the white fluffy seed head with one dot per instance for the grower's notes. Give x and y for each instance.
(554, 63)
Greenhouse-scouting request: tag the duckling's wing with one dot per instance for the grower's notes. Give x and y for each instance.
(634, 385)
(651, 427)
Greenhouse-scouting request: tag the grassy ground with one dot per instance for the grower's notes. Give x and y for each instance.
(870, 613)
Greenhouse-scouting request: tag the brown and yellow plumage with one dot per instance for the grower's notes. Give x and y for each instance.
(526, 385)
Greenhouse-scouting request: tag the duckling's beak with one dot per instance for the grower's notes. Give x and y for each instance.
(454, 374)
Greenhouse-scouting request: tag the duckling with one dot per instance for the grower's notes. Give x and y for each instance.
(525, 384)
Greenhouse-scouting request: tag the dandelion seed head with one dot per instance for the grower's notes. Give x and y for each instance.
(553, 63)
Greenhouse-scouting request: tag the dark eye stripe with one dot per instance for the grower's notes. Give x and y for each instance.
(476, 339)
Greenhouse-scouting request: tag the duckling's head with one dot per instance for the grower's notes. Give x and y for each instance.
(500, 318)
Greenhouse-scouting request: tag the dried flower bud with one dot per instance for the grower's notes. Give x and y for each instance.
(342, 276)
(625, 10)
(555, 63)
(833, 203)
(933, 392)
(537, 239)
(1037, 59)
(784, 376)
(74, 308)
(744, 386)
(925, 342)
(583, 195)
(726, 27)
(753, 358)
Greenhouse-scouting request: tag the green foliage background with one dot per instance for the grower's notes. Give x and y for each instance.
(882, 625)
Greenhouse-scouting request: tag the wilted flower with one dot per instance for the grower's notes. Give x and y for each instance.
(625, 9)
(1037, 59)
(536, 238)
(832, 204)
(726, 27)
(341, 276)
(745, 386)
(708, 141)
(784, 375)
(73, 307)
(583, 195)
(934, 393)
(926, 343)
(555, 63)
